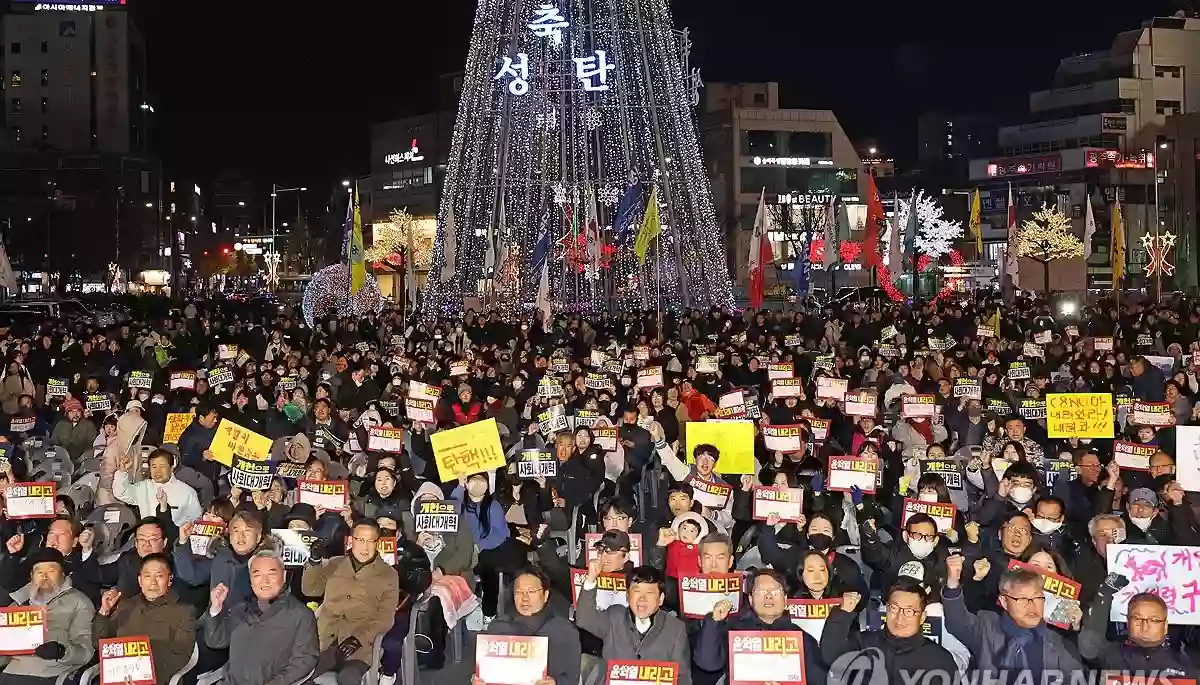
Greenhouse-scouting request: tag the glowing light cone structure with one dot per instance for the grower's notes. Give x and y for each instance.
(565, 105)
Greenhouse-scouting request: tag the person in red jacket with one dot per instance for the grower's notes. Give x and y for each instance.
(467, 409)
(697, 403)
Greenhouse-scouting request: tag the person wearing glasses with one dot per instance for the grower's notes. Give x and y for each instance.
(1145, 649)
(768, 610)
(1013, 644)
(361, 593)
(917, 554)
(534, 617)
(987, 564)
(908, 655)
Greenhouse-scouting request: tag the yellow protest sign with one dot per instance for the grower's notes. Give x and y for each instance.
(176, 424)
(232, 440)
(735, 440)
(1079, 415)
(461, 451)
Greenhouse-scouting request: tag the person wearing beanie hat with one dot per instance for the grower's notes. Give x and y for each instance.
(69, 614)
(74, 433)
(301, 517)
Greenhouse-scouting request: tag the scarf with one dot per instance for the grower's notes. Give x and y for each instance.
(924, 429)
(1022, 647)
(531, 625)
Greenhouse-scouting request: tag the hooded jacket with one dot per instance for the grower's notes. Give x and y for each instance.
(128, 443)
(457, 555)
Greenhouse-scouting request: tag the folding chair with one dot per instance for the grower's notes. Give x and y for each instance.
(81, 494)
(92, 465)
(175, 679)
(112, 522)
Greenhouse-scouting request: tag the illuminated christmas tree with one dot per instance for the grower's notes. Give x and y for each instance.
(568, 108)
(1046, 237)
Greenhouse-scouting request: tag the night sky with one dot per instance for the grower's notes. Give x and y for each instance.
(287, 90)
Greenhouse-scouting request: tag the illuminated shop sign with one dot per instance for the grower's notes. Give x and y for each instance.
(411, 155)
(791, 161)
(1117, 160)
(1025, 165)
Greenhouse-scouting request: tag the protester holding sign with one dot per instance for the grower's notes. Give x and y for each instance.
(768, 610)
(67, 634)
(154, 611)
(498, 552)
(534, 617)
(641, 630)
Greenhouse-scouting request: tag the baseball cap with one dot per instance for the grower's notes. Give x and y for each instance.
(613, 541)
(1144, 495)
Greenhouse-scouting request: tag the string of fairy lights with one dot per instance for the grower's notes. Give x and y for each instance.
(536, 145)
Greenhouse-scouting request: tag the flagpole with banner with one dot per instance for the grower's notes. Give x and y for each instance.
(977, 226)
(1118, 250)
(358, 267)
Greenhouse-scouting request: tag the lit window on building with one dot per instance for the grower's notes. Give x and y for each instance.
(14, 80)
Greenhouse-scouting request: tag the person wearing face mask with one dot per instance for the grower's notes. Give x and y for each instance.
(818, 531)
(498, 552)
(449, 553)
(1015, 493)
(1049, 517)
(917, 554)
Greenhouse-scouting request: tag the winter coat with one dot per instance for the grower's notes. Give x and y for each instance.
(457, 556)
(360, 604)
(12, 388)
(169, 623)
(564, 650)
(75, 438)
(69, 623)
(223, 568)
(712, 643)
(1125, 656)
(128, 443)
(666, 640)
(275, 644)
(982, 635)
(908, 655)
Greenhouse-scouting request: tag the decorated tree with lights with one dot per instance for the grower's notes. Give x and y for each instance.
(393, 238)
(1046, 237)
(935, 233)
(566, 106)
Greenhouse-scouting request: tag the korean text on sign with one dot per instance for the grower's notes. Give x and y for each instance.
(786, 439)
(809, 614)
(610, 589)
(1079, 415)
(437, 517)
(1061, 595)
(942, 513)
(766, 656)
(328, 494)
(1171, 572)
(386, 440)
(642, 673)
(29, 500)
(233, 440)
(125, 660)
(22, 629)
(537, 464)
(699, 594)
(511, 659)
(786, 503)
(176, 424)
(462, 451)
(846, 472)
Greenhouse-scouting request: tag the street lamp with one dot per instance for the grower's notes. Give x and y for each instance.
(345, 184)
(275, 191)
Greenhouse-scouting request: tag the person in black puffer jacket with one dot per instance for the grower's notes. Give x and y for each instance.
(900, 643)
(534, 617)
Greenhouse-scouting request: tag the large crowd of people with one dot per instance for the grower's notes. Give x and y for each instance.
(961, 488)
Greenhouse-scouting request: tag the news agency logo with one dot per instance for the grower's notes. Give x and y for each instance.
(869, 667)
(865, 667)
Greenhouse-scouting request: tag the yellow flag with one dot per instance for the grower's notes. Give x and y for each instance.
(651, 227)
(976, 228)
(993, 322)
(358, 268)
(1118, 246)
